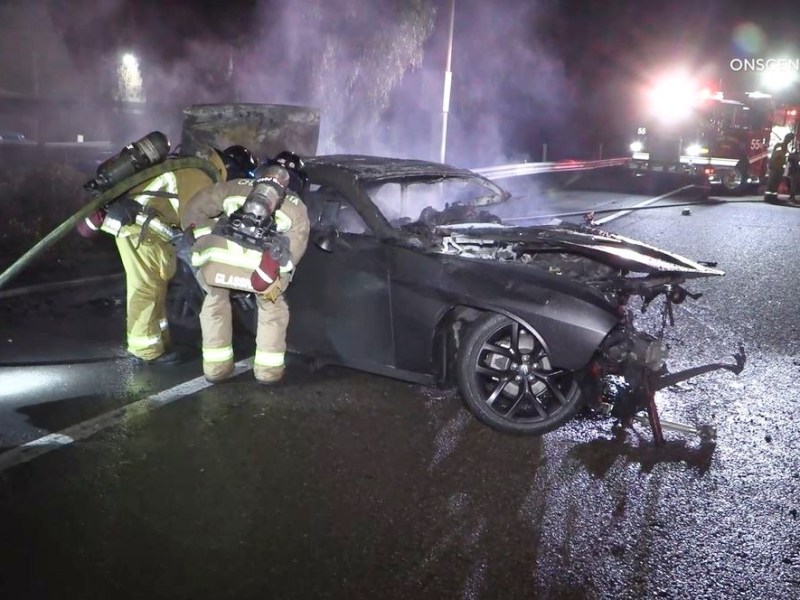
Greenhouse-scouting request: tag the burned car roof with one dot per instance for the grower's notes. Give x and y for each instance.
(380, 168)
(356, 174)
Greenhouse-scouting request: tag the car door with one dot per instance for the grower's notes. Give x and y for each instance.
(340, 297)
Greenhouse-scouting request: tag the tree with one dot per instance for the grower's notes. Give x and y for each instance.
(344, 58)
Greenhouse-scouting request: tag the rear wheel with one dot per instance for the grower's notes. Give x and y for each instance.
(508, 381)
(734, 181)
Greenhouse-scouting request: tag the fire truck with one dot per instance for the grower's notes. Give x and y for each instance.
(723, 143)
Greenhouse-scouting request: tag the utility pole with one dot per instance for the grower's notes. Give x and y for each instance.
(448, 80)
(35, 58)
(232, 74)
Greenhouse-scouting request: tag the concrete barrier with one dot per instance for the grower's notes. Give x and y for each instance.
(264, 129)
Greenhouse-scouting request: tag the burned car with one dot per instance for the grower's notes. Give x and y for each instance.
(411, 273)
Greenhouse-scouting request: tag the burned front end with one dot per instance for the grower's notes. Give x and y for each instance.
(630, 365)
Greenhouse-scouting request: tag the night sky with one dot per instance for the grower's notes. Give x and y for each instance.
(544, 69)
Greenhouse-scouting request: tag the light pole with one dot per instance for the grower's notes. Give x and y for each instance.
(448, 79)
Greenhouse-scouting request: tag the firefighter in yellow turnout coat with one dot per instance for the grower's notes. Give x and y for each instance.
(147, 255)
(230, 253)
(776, 166)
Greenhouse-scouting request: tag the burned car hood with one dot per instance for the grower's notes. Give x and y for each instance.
(611, 249)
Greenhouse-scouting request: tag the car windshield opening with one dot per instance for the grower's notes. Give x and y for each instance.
(433, 201)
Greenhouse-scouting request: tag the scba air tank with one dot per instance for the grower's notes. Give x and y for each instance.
(148, 151)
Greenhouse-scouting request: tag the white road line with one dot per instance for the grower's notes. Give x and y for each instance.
(647, 202)
(54, 439)
(81, 431)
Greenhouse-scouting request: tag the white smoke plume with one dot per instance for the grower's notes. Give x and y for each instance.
(375, 69)
(347, 59)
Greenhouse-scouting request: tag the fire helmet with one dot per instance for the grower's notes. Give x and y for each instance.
(289, 160)
(239, 162)
(295, 165)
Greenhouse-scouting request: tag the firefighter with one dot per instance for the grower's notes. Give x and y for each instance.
(793, 174)
(294, 165)
(144, 222)
(250, 235)
(776, 166)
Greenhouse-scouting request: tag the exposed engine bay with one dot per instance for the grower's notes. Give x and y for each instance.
(630, 365)
(574, 266)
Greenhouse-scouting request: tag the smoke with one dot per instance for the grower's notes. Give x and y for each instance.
(374, 69)
(348, 59)
(34, 59)
(510, 90)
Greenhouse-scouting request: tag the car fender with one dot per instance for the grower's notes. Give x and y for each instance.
(570, 319)
(569, 345)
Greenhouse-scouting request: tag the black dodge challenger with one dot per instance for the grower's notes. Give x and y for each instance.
(411, 273)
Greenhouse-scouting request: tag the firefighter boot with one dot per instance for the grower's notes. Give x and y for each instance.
(170, 357)
(217, 372)
(268, 375)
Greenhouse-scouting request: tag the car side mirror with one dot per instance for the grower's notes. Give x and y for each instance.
(325, 237)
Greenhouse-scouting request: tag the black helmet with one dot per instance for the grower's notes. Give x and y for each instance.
(294, 164)
(289, 160)
(239, 162)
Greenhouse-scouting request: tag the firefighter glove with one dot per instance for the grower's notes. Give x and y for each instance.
(89, 226)
(273, 293)
(120, 213)
(266, 273)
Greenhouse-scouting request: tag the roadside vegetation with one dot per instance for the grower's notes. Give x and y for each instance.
(35, 201)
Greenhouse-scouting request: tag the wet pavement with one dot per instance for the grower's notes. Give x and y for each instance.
(338, 484)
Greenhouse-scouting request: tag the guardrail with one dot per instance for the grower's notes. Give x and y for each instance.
(504, 171)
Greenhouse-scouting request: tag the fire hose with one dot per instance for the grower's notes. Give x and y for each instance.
(105, 197)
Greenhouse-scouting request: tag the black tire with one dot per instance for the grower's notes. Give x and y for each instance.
(496, 351)
(734, 181)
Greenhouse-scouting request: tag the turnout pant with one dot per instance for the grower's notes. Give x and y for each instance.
(773, 184)
(148, 270)
(216, 321)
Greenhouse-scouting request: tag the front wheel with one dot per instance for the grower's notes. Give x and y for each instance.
(508, 381)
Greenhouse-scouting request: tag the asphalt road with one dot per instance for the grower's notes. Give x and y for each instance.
(148, 483)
